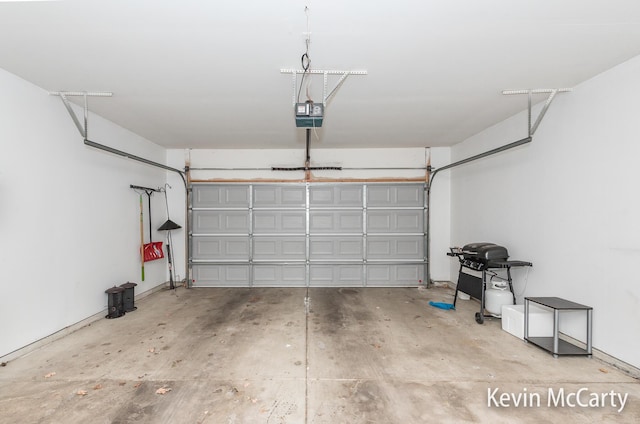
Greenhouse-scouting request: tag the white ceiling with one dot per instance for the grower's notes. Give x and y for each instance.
(206, 74)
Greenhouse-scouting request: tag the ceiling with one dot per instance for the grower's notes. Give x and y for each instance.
(206, 74)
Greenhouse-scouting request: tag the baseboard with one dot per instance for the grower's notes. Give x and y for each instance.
(626, 368)
(449, 284)
(26, 350)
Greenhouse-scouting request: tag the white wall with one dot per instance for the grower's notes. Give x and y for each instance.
(569, 202)
(347, 158)
(69, 223)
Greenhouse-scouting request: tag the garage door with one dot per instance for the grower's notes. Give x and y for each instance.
(313, 234)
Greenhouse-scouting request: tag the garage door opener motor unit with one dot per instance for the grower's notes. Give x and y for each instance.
(309, 114)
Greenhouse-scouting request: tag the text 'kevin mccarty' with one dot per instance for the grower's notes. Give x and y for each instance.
(556, 398)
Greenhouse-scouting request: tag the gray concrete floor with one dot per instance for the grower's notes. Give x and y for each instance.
(369, 355)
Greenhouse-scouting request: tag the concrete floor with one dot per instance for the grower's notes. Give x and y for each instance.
(253, 356)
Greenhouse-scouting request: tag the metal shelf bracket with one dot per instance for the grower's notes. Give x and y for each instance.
(552, 92)
(325, 73)
(64, 95)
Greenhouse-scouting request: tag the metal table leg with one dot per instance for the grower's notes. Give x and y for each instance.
(589, 330)
(526, 320)
(556, 317)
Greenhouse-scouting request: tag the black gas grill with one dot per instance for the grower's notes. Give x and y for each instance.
(478, 256)
(482, 257)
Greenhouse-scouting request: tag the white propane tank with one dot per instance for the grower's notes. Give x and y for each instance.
(496, 295)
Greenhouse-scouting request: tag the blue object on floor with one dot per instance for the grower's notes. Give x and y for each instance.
(442, 305)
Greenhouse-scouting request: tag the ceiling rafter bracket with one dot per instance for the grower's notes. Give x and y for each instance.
(325, 73)
(64, 95)
(326, 97)
(552, 92)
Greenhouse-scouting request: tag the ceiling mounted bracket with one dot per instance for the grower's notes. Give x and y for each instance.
(552, 92)
(64, 95)
(325, 96)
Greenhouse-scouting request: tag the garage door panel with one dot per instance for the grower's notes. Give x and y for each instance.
(220, 248)
(378, 273)
(379, 222)
(395, 275)
(395, 221)
(394, 248)
(336, 196)
(279, 248)
(267, 196)
(279, 275)
(322, 222)
(220, 196)
(330, 247)
(221, 275)
(395, 195)
(335, 222)
(206, 222)
(409, 195)
(409, 221)
(410, 247)
(378, 248)
(335, 275)
(265, 222)
(379, 196)
(220, 222)
(275, 222)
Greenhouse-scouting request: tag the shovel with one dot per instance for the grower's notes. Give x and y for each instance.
(152, 250)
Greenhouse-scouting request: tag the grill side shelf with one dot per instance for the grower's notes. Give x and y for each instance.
(507, 264)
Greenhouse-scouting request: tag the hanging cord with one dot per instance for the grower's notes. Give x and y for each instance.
(309, 80)
(308, 43)
(306, 64)
(315, 130)
(526, 280)
(166, 201)
(305, 60)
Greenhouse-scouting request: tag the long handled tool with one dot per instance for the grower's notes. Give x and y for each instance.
(152, 250)
(168, 226)
(141, 236)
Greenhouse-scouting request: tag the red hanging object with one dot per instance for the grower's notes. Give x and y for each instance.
(153, 251)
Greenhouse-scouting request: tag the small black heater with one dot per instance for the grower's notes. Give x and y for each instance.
(129, 296)
(115, 302)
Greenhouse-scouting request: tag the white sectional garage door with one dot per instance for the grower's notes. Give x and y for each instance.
(315, 234)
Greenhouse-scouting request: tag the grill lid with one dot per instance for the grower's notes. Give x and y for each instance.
(485, 252)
